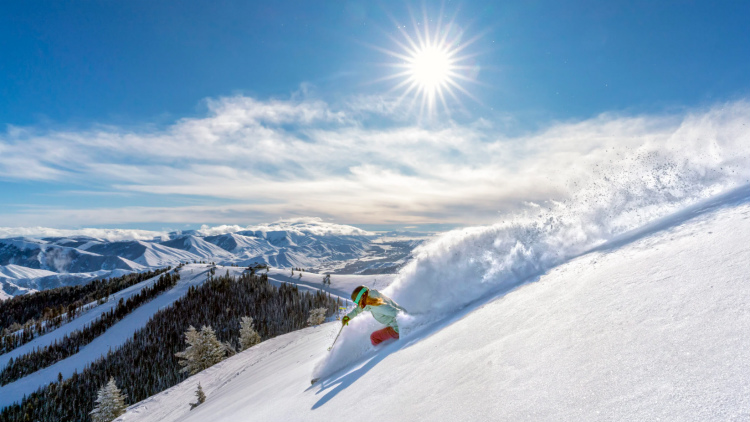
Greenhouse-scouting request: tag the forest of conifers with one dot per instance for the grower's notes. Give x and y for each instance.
(146, 364)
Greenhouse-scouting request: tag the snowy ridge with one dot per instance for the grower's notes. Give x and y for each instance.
(50, 255)
(17, 271)
(299, 226)
(306, 243)
(199, 247)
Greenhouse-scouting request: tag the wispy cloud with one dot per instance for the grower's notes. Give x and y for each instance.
(263, 160)
(301, 225)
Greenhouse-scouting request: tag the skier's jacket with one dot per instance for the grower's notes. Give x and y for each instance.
(384, 314)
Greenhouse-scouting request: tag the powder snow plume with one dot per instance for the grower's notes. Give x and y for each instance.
(702, 156)
(653, 176)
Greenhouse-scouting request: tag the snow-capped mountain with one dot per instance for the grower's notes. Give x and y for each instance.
(305, 243)
(147, 254)
(36, 264)
(198, 246)
(48, 254)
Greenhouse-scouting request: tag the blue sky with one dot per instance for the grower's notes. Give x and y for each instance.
(290, 98)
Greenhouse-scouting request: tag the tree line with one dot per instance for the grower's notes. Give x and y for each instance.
(41, 312)
(146, 364)
(70, 344)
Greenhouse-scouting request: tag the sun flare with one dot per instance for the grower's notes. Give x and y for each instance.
(432, 65)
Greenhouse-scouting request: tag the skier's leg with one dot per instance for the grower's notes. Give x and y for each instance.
(382, 335)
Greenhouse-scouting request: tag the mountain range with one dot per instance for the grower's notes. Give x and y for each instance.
(29, 264)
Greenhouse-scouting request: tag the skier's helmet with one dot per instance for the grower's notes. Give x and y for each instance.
(358, 293)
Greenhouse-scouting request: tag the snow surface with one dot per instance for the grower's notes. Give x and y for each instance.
(651, 324)
(190, 275)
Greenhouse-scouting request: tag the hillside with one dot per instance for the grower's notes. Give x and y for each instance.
(192, 276)
(653, 324)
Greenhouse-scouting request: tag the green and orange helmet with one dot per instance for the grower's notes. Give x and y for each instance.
(358, 293)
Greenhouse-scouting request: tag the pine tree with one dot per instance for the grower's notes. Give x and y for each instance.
(204, 350)
(201, 397)
(229, 349)
(317, 316)
(248, 336)
(111, 403)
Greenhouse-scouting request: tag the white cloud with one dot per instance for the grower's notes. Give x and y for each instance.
(261, 160)
(312, 225)
(299, 225)
(106, 234)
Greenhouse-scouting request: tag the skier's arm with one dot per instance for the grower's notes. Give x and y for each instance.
(356, 311)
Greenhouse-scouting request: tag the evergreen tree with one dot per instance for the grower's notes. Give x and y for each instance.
(248, 336)
(317, 316)
(229, 349)
(201, 397)
(204, 350)
(111, 403)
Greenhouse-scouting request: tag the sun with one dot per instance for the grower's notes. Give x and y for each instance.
(431, 68)
(432, 65)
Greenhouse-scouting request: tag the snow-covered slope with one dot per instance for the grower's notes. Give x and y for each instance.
(145, 253)
(191, 275)
(27, 265)
(17, 271)
(198, 247)
(244, 247)
(653, 324)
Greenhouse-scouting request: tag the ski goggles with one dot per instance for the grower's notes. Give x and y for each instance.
(359, 295)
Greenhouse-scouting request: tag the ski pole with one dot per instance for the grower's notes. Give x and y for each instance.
(337, 337)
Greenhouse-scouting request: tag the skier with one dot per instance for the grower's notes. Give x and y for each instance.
(383, 309)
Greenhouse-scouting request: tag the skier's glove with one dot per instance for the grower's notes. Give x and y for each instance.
(345, 320)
